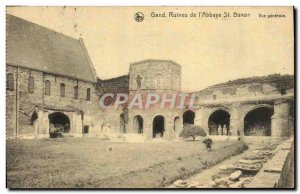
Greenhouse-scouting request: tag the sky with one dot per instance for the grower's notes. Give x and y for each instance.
(210, 50)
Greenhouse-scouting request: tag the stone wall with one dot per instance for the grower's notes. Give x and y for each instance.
(114, 85)
(279, 171)
(155, 74)
(27, 102)
(159, 77)
(237, 91)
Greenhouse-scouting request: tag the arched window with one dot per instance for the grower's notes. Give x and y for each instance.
(76, 92)
(159, 81)
(31, 85)
(47, 88)
(88, 94)
(175, 82)
(10, 82)
(62, 90)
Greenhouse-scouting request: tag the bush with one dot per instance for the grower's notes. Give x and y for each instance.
(192, 131)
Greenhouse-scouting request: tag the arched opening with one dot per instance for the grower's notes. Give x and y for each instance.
(258, 122)
(122, 123)
(59, 123)
(219, 123)
(33, 118)
(176, 124)
(158, 126)
(188, 117)
(138, 124)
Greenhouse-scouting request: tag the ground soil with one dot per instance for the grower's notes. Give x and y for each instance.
(91, 163)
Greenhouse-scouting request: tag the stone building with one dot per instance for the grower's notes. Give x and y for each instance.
(250, 109)
(52, 85)
(159, 77)
(50, 82)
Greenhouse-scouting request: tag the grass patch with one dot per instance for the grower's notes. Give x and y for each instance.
(89, 162)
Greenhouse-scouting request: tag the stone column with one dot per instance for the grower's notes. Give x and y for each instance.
(234, 120)
(78, 125)
(178, 128)
(280, 119)
(147, 129)
(43, 125)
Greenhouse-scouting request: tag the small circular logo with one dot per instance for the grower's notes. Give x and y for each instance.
(139, 17)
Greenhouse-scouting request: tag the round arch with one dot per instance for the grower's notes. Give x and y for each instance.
(122, 123)
(59, 123)
(138, 124)
(188, 117)
(158, 126)
(176, 123)
(219, 122)
(33, 118)
(257, 106)
(257, 120)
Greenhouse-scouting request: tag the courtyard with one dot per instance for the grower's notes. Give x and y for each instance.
(92, 163)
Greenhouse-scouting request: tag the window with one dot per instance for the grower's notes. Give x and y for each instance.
(159, 81)
(62, 90)
(86, 129)
(88, 94)
(76, 92)
(47, 88)
(10, 82)
(31, 85)
(214, 97)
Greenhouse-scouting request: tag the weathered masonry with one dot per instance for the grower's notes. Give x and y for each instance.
(50, 82)
(254, 109)
(52, 85)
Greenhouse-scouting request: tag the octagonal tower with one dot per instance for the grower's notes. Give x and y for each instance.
(160, 77)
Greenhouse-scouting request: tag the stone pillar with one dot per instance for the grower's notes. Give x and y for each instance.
(280, 119)
(75, 124)
(148, 129)
(234, 120)
(43, 125)
(178, 127)
(79, 125)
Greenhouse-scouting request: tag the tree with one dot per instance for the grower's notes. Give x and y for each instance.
(190, 130)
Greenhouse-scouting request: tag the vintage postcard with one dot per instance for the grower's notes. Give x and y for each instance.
(150, 97)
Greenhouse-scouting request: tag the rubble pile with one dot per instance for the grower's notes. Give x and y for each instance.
(241, 173)
(236, 175)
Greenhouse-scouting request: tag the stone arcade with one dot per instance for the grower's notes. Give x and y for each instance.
(51, 82)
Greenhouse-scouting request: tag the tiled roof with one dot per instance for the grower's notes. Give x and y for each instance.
(33, 46)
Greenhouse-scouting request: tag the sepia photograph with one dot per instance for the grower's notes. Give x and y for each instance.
(150, 97)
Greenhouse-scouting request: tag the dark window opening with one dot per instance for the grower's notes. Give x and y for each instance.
(138, 124)
(62, 90)
(10, 82)
(158, 126)
(88, 94)
(122, 123)
(33, 118)
(47, 88)
(86, 129)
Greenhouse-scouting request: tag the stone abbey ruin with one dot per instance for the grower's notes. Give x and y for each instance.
(52, 86)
